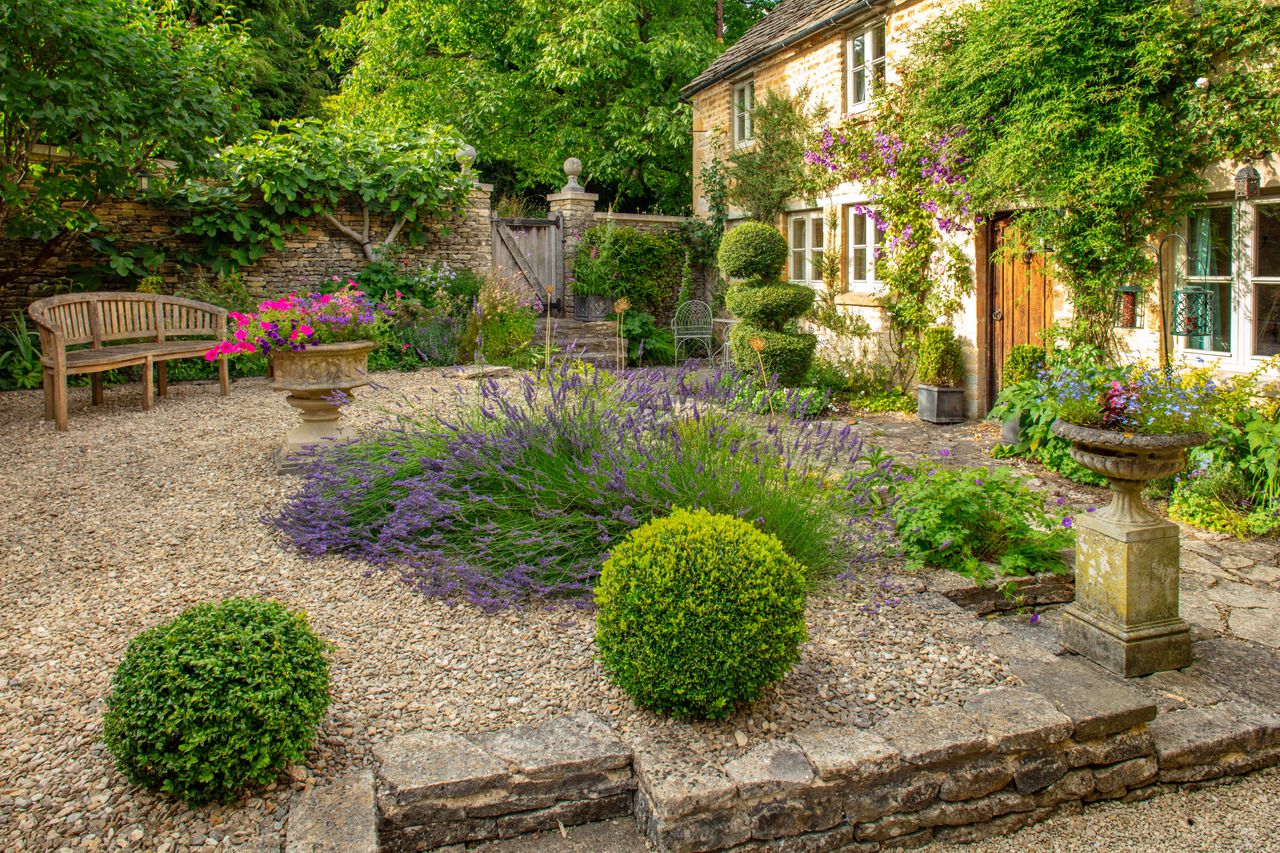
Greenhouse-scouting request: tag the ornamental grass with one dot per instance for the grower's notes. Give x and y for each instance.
(524, 495)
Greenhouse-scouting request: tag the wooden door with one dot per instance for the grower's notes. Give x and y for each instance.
(1021, 297)
(531, 250)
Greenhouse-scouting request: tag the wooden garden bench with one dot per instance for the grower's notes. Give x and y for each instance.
(152, 329)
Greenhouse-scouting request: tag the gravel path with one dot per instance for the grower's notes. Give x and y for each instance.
(131, 517)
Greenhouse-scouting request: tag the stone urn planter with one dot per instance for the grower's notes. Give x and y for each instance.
(318, 379)
(591, 309)
(1125, 614)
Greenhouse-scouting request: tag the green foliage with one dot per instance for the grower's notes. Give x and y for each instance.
(501, 328)
(785, 355)
(647, 342)
(306, 168)
(1025, 361)
(799, 403)
(941, 359)
(20, 366)
(965, 518)
(769, 306)
(752, 250)
(616, 261)
(1092, 116)
(1037, 409)
(1218, 498)
(882, 401)
(111, 86)
(764, 176)
(699, 613)
(220, 698)
(532, 82)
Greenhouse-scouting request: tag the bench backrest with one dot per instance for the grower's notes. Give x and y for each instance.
(101, 317)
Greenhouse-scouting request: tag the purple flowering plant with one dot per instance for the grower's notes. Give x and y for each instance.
(1137, 398)
(522, 496)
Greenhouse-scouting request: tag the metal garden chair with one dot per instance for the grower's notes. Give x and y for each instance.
(692, 323)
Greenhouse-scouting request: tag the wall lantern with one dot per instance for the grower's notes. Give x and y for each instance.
(143, 177)
(1193, 312)
(1248, 182)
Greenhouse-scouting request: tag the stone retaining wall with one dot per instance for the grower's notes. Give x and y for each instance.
(1071, 735)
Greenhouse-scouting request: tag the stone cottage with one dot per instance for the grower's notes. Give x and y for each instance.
(842, 51)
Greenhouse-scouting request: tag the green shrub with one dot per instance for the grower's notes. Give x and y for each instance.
(220, 698)
(1218, 499)
(699, 612)
(647, 342)
(616, 261)
(767, 306)
(1025, 361)
(941, 359)
(752, 250)
(964, 518)
(879, 402)
(788, 356)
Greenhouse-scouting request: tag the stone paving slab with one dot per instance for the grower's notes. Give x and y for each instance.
(335, 817)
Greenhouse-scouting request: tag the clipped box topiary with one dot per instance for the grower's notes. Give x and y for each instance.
(940, 377)
(699, 612)
(754, 253)
(220, 698)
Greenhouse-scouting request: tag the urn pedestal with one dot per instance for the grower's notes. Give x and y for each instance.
(1125, 614)
(319, 380)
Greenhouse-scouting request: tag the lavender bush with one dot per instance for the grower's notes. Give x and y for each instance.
(524, 496)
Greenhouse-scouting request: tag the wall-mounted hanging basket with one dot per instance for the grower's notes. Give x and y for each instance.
(1193, 312)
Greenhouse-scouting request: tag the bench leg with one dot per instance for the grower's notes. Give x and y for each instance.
(60, 399)
(147, 390)
(47, 383)
(162, 378)
(95, 380)
(224, 376)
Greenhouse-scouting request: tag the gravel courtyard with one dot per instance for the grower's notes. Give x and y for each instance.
(130, 517)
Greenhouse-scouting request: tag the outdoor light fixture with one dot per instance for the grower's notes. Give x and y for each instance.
(466, 155)
(144, 178)
(1248, 182)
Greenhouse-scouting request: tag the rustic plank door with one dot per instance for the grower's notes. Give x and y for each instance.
(1021, 297)
(531, 251)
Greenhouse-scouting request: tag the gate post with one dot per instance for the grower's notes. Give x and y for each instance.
(576, 210)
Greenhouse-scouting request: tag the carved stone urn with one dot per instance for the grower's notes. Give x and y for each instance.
(319, 380)
(1125, 614)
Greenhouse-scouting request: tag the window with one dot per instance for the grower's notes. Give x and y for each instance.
(1209, 267)
(806, 240)
(864, 57)
(864, 244)
(744, 101)
(1266, 280)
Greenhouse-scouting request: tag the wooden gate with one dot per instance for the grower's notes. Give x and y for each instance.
(1021, 297)
(531, 250)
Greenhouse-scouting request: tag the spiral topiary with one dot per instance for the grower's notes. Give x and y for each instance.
(699, 612)
(754, 252)
(220, 698)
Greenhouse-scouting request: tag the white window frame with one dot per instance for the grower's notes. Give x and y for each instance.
(872, 238)
(804, 261)
(742, 106)
(1256, 316)
(866, 72)
(1229, 281)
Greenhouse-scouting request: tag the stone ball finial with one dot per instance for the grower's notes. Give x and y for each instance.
(572, 168)
(466, 155)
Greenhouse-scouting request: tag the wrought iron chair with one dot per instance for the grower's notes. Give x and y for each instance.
(692, 323)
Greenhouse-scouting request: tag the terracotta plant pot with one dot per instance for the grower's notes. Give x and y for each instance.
(1128, 461)
(318, 380)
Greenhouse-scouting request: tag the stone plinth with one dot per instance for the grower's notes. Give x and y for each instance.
(1125, 614)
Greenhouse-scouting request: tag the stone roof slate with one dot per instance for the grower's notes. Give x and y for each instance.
(787, 20)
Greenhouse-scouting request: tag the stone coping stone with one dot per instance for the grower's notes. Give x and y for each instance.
(846, 753)
(770, 768)
(935, 734)
(1195, 736)
(1019, 719)
(335, 817)
(437, 765)
(676, 785)
(578, 743)
(1098, 703)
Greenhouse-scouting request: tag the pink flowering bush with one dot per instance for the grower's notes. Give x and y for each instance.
(297, 321)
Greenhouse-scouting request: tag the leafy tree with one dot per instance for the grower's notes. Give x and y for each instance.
(764, 176)
(268, 184)
(531, 82)
(288, 76)
(92, 91)
(1101, 116)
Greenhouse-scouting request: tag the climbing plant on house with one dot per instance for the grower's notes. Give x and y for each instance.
(309, 168)
(1096, 119)
(765, 176)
